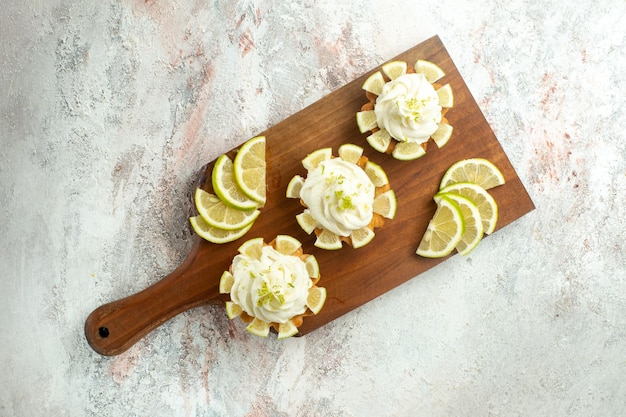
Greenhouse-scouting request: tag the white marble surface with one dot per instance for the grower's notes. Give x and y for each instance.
(109, 108)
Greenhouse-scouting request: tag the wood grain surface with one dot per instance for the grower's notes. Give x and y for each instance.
(352, 277)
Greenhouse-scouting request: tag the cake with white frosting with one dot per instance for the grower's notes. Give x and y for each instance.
(406, 108)
(344, 198)
(272, 285)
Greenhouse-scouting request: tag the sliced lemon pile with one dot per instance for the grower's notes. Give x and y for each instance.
(239, 188)
(316, 297)
(465, 185)
(481, 199)
(473, 224)
(225, 185)
(380, 139)
(431, 71)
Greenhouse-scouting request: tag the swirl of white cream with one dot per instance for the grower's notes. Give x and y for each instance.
(339, 196)
(273, 288)
(408, 108)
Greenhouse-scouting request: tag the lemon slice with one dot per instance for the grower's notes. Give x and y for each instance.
(286, 330)
(316, 299)
(350, 153)
(287, 245)
(226, 282)
(252, 248)
(446, 98)
(314, 158)
(431, 71)
(312, 267)
(374, 83)
(481, 198)
(361, 237)
(294, 187)
(379, 140)
(259, 327)
(220, 215)
(250, 169)
(306, 222)
(386, 204)
(366, 120)
(477, 170)
(473, 224)
(408, 151)
(215, 235)
(444, 230)
(328, 240)
(442, 134)
(394, 69)
(376, 174)
(225, 185)
(233, 310)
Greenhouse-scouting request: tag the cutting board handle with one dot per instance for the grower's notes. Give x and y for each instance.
(114, 327)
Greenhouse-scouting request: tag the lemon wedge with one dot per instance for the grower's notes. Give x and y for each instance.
(473, 224)
(374, 83)
(444, 230)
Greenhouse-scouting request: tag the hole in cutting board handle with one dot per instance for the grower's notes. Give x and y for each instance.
(103, 332)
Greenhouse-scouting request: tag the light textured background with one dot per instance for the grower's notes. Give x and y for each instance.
(108, 110)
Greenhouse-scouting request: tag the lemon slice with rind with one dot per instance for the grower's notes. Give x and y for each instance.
(442, 135)
(252, 248)
(294, 187)
(366, 120)
(226, 282)
(312, 267)
(233, 310)
(446, 97)
(374, 83)
(431, 71)
(259, 327)
(376, 174)
(408, 151)
(350, 153)
(361, 237)
(444, 230)
(313, 159)
(306, 221)
(286, 330)
(225, 185)
(249, 169)
(286, 244)
(473, 224)
(328, 240)
(316, 299)
(477, 170)
(485, 203)
(394, 69)
(215, 235)
(218, 214)
(386, 204)
(379, 140)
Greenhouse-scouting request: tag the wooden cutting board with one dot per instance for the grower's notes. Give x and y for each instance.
(351, 277)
